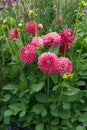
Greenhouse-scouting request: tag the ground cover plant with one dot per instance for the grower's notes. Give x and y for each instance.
(43, 65)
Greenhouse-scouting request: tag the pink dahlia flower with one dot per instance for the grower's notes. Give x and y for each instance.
(32, 27)
(13, 33)
(48, 62)
(67, 36)
(63, 47)
(59, 20)
(35, 41)
(64, 65)
(27, 53)
(51, 39)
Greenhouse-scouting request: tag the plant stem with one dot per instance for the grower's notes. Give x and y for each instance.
(76, 24)
(61, 94)
(48, 85)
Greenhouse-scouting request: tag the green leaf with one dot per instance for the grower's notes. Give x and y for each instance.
(65, 114)
(17, 107)
(7, 120)
(83, 117)
(32, 78)
(42, 97)
(55, 121)
(44, 112)
(22, 77)
(6, 98)
(54, 49)
(55, 87)
(71, 91)
(80, 128)
(39, 109)
(81, 83)
(29, 118)
(66, 105)
(54, 111)
(19, 42)
(54, 77)
(8, 113)
(22, 113)
(9, 87)
(54, 127)
(37, 87)
(40, 126)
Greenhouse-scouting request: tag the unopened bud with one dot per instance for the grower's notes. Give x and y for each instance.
(40, 26)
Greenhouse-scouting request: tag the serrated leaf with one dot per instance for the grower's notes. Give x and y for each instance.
(6, 97)
(54, 49)
(29, 118)
(22, 114)
(81, 83)
(40, 126)
(7, 120)
(54, 111)
(39, 109)
(80, 128)
(66, 105)
(19, 42)
(83, 117)
(54, 77)
(41, 97)
(8, 113)
(17, 107)
(72, 91)
(55, 121)
(9, 87)
(65, 114)
(37, 87)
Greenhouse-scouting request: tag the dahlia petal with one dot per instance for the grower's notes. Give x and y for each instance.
(27, 54)
(47, 62)
(51, 39)
(35, 41)
(64, 65)
(32, 27)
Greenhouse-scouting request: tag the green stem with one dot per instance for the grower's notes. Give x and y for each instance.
(61, 94)
(48, 85)
(76, 23)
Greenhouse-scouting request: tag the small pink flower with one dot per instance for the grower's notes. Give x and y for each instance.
(13, 33)
(63, 47)
(48, 62)
(59, 20)
(35, 41)
(67, 36)
(64, 65)
(27, 53)
(32, 27)
(51, 39)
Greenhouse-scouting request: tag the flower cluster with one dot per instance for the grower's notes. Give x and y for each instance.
(48, 62)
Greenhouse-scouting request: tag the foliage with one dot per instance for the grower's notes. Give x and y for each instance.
(28, 96)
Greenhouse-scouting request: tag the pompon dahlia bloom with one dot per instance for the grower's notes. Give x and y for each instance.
(13, 33)
(48, 62)
(32, 27)
(64, 65)
(51, 39)
(36, 41)
(63, 47)
(27, 53)
(67, 36)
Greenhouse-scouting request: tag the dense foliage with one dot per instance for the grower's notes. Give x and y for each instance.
(34, 96)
